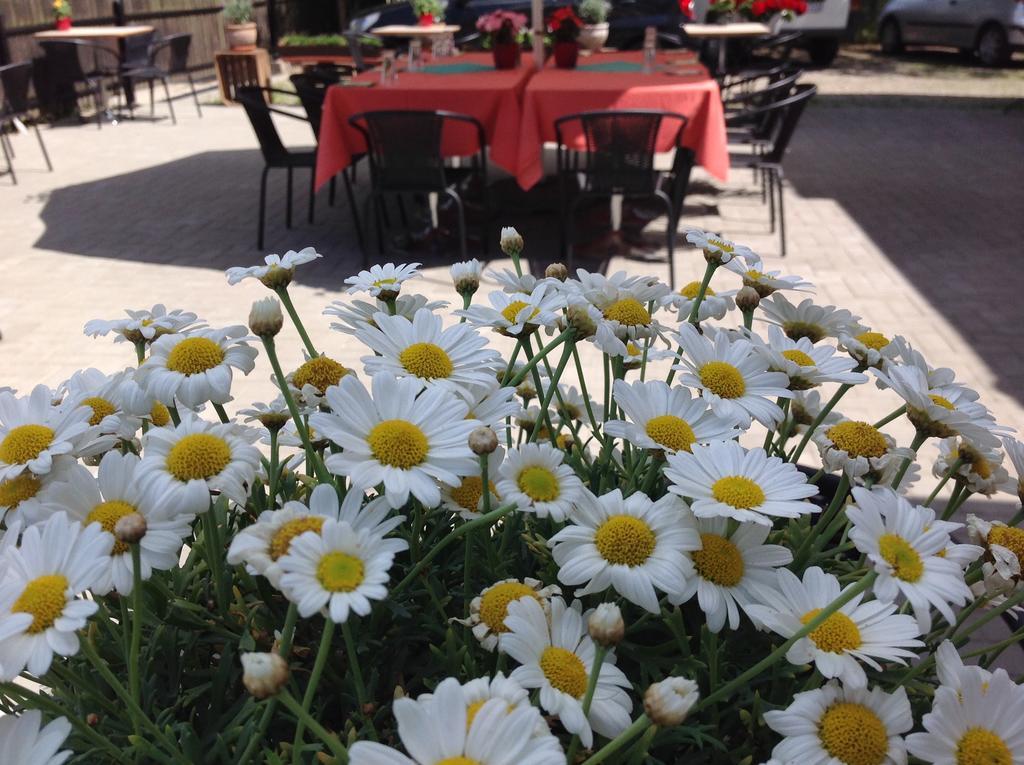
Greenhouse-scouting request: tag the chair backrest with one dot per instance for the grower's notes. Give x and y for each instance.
(5, 51)
(178, 47)
(63, 59)
(259, 114)
(404, 147)
(790, 110)
(619, 148)
(311, 91)
(14, 85)
(117, 9)
(138, 51)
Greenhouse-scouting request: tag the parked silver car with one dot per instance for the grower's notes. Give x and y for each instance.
(992, 29)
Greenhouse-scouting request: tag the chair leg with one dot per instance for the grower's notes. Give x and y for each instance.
(462, 221)
(263, 209)
(485, 226)
(170, 106)
(378, 212)
(97, 100)
(288, 202)
(771, 199)
(152, 101)
(354, 208)
(7, 143)
(42, 147)
(782, 213)
(195, 96)
(7, 157)
(331, 190)
(312, 192)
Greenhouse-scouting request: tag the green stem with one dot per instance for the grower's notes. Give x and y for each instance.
(134, 682)
(528, 367)
(214, 548)
(549, 394)
(288, 631)
(357, 672)
(963, 494)
(818, 420)
(892, 416)
(586, 396)
(286, 301)
(957, 464)
(336, 747)
(701, 292)
(314, 680)
(588, 697)
(748, 319)
(826, 524)
(274, 461)
(219, 409)
(919, 438)
(641, 723)
(140, 351)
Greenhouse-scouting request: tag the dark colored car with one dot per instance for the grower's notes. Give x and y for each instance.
(627, 20)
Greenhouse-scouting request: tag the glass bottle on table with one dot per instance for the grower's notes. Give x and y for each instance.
(388, 73)
(650, 49)
(415, 54)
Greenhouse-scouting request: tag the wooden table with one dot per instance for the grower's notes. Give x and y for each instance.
(725, 32)
(415, 30)
(94, 33)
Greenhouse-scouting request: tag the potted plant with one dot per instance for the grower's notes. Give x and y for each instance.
(239, 28)
(428, 11)
(774, 12)
(503, 32)
(62, 14)
(594, 14)
(564, 26)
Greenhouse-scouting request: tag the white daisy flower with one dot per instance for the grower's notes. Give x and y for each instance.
(754, 275)
(510, 281)
(623, 302)
(808, 320)
(869, 349)
(23, 496)
(1015, 451)
(727, 567)
(557, 657)
(715, 305)
(466, 276)
(725, 480)
(861, 451)
(980, 722)
(840, 725)
(116, 492)
(666, 418)
(193, 459)
(907, 554)
(272, 416)
(869, 633)
(144, 325)
(731, 376)
(451, 358)
(309, 383)
(195, 367)
(467, 499)
(804, 409)
(115, 400)
(24, 738)
(633, 545)
(491, 404)
(439, 729)
(34, 432)
(487, 611)
(517, 314)
(401, 438)
(807, 365)
(718, 248)
(951, 669)
(963, 555)
(982, 470)
(382, 281)
(358, 313)
(276, 271)
(40, 607)
(338, 569)
(534, 477)
(1003, 544)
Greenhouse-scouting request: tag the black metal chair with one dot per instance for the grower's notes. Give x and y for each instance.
(74, 63)
(404, 150)
(140, 65)
(15, 104)
(275, 154)
(618, 158)
(783, 115)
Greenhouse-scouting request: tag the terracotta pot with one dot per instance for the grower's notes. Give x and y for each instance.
(594, 36)
(566, 53)
(241, 36)
(506, 55)
(64, 24)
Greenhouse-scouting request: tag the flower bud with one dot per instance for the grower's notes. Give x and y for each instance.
(578, 317)
(466, 276)
(747, 299)
(130, 528)
(557, 271)
(606, 626)
(483, 440)
(265, 319)
(274, 420)
(668, 702)
(511, 242)
(277, 277)
(264, 674)
(92, 719)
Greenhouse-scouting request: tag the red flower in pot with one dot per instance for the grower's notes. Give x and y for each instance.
(564, 26)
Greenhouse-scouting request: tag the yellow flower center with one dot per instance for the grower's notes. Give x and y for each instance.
(798, 329)
(100, 408)
(198, 456)
(853, 734)
(625, 540)
(799, 357)
(632, 349)
(539, 484)
(718, 560)
(628, 311)
(44, 597)
(467, 494)
(160, 415)
(945, 403)
(16, 490)
(339, 572)
(903, 558)
(385, 282)
(494, 603)
(320, 372)
(460, 760)
(511, 311)
(1004, 536)
(722, 379)
(194, 355)
(671, 432)
(858, 439)
(692, 289)
(426, 360)
(737, 491)
(837, 634)
(874, 340)
(398, 443)
(753, 274)
(721, 244)
(980, 746)
(281, 541)
(107, 514)
(564, 670)
(976, 460)
(24, 443)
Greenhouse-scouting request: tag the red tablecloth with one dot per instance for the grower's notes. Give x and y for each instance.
(492, 96)
(554, 93)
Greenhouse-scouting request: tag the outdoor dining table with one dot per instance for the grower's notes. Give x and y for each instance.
(468, 84)
(616, 81)
(724, 33)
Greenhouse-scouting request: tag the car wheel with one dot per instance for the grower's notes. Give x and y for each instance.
(823, 50)
(993, 47)
(890, 37)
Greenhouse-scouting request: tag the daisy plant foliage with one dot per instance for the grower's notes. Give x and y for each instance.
(578, 518)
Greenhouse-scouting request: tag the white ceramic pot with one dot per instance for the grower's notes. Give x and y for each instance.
(240, 36)
(593, 36)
